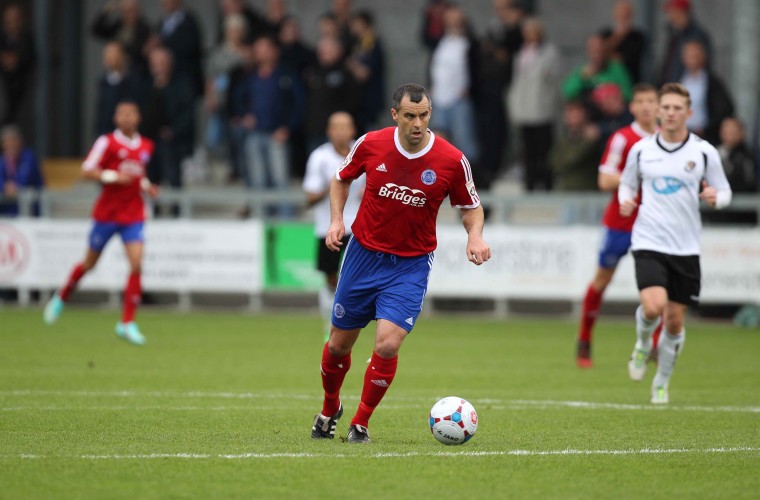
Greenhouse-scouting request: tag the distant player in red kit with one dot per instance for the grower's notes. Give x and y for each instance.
(409, 172)
(118, 161)
(617, 229)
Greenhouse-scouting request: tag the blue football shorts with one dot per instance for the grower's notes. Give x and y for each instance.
(102, 231)
(377, 285)
(615, 244)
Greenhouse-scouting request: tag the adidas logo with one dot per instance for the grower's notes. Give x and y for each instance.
(410, 321)
(381, 168)
(381, 383)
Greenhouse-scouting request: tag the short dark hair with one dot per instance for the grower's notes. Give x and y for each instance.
(415, 92)
(674, 88)
(366, 17)
(642, 87)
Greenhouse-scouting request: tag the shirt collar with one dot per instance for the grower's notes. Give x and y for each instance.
(126, 141)
(418, 154)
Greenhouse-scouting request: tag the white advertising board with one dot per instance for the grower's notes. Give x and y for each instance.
(558, 263)
(181, 256)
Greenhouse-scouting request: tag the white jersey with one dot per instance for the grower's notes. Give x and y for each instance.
(670, 179)
(320, 171)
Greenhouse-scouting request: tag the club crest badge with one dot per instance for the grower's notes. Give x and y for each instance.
(690, 166)
(428, 177)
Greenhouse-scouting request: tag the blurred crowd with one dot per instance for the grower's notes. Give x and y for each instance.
(259, 100)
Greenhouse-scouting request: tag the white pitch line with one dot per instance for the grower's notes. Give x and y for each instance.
(411, 454)
(495, 404)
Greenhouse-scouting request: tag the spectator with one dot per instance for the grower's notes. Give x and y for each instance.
(432, 23)
(179, 32)
(497, 51)
(237, 108)
(168, 118)
(367, 64)
(328, 27)
(681, 28)
(255, 23)
(299, 57)
(738, 161)
(340, 10)
(710, 100)
(277, 13)
(273, 100)
(17, 61)
(330, 87)
(532, 101)
(123, 21)
(598, 69)
(612, 113)
(19, 169)
(293, 51)
(627, 43)
(221, 62)
(454, 82)
(574, 158)
(118, 83)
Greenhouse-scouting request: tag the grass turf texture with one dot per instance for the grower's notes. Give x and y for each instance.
(220, 406)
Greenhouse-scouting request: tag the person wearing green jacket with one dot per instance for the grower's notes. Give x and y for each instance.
(599, 69)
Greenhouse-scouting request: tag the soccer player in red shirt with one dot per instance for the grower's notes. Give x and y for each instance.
(409, 172)
(616, 228)
(118, 161)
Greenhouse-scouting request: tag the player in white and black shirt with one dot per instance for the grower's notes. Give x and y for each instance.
(675, 169)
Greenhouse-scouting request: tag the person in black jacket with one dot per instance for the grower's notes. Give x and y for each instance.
(330, 87)
(179, 32)
(168, 118)
(738, 160)
(118, 83)
(123, 21)
(711, 102)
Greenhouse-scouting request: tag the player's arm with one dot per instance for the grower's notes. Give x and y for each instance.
(477, 250)
(608, 178)
(92, 170)
(716, 191)
(629, 183)
(339, 190)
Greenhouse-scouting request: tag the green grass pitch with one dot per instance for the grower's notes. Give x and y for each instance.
(221, 405)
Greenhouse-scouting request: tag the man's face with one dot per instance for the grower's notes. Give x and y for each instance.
(644, 106)
(673, 112)
(412, 119)
(340, 129)
(127, 117)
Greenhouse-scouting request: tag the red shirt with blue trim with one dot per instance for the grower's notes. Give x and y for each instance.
(404, 191)
(122, 204)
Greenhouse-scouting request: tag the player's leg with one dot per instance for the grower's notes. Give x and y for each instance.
(683, 290)
(353, 310)
(615, 245)
(132, 236)
(328, 262)
(652, 279)
(403, 285)
(378, 376)
(671, 344)
(97, 239)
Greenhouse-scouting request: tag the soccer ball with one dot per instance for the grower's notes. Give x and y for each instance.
(453, 420)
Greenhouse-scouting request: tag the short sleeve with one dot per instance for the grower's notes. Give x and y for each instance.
(462, 193)
(613, 155)
(315, 181)
(353, 165)
(95, 155)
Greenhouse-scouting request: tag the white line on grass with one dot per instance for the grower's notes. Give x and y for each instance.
(496, 404)
(522, 453)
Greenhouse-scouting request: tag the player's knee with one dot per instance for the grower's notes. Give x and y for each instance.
(652, 309)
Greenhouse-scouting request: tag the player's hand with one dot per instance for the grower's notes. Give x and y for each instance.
(627, 207)
(334, 236)
(709, 194)
(153, 191)
(478, 251)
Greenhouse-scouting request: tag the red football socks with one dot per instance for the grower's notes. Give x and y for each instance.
(591, 305)
(71, 283)
(334, 370)
(132, 298)
(377, 380)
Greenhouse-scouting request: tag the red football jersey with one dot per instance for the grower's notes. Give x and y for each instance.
(613, 162)
(404, 191)
(118, 203)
